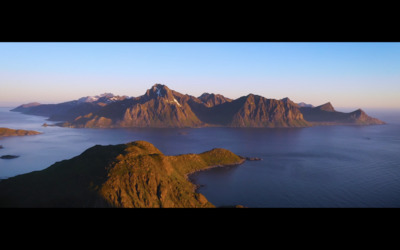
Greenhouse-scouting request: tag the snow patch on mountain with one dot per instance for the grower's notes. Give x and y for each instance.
(177, 102)
(158, 91)
(106, 97)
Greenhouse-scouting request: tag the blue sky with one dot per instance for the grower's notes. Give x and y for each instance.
(349, 75)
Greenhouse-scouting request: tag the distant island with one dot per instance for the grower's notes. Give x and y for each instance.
(163, 107)
(9, 157)
(132, 175)
(326, 115)
(16, 132)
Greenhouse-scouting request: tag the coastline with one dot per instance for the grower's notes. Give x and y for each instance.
(196, 186)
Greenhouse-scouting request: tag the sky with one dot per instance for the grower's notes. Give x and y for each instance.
(347, 74)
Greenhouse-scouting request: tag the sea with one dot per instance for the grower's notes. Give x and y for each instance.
(314, 167)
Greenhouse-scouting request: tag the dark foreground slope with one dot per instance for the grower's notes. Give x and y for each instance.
(136, 175)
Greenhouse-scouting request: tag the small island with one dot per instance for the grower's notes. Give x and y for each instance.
(16, 132)
(48, 125)
(252, 158)
(9, 156)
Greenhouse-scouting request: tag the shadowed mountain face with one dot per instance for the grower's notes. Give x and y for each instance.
(257, 111)
(326, 115)
(136, 174)
(163, 107)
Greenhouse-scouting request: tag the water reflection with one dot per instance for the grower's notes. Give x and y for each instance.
(336, 166)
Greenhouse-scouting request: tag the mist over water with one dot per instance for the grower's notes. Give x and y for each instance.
(331, 166)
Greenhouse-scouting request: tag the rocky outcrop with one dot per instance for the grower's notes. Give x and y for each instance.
(135, 175)
(16, 132)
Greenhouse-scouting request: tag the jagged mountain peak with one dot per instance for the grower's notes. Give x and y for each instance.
(359, 112)
(205, 94)
(326, 107)
(102, 98)
(305, 105)
(213, 99)
(95, 98)
(159, 91)
(287, 100)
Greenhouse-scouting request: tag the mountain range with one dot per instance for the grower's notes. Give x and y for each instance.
(163, 107)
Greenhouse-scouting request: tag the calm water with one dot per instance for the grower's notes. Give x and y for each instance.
(337, 166)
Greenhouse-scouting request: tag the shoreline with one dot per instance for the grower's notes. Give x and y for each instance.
(196, 186)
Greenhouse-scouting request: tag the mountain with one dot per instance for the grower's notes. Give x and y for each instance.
(162, 107)
(16, 132)
(257, 111)
(211, 100)
(304, 105)
(69, 110)
(326, 107)
(158, 107)
(135, 175)
(326, 115)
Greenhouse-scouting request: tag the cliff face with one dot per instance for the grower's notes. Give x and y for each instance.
(160, 107)
(258, 111)
(133, 175)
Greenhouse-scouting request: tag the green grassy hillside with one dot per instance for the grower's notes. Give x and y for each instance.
(134, 175)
